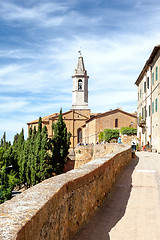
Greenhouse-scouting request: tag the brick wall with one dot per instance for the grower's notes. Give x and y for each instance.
(56, 208)
(106, 120)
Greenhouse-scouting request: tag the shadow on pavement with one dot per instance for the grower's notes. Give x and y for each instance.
(113, 208)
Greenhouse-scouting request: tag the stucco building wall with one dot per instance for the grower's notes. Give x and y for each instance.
(149, 130)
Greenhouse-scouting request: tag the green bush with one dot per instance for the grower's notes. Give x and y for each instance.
(109, 134)
(128, 130)
(100, 136)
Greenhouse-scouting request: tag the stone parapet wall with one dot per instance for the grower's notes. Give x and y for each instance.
(56, 208)
(127, 139)
(84, 154)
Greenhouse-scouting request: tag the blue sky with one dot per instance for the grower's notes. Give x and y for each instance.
(39, 43)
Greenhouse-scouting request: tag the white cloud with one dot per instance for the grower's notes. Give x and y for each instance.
(37, 62)
(36, 13)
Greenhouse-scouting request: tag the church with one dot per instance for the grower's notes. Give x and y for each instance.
(80, 122)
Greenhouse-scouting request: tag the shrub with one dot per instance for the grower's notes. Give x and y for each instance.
(109, 134)
(128, 130)
(100, 136)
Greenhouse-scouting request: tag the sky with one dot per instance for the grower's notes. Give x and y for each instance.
(39, 44)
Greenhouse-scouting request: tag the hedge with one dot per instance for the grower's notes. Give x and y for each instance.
(128, 131)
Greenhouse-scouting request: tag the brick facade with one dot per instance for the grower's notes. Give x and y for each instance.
(114, 119)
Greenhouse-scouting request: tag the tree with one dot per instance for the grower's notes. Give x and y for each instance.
(31, 162)
(129, 130)
(28, 153)
(21, 163)
(60, 145)
(109, 134)
(100, 137)
(45, 170)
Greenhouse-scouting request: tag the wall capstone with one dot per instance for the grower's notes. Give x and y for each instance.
(58, 207)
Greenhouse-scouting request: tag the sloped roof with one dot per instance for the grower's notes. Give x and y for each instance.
(147, 64)
(44, 119)
(109, 113)
(52, 116)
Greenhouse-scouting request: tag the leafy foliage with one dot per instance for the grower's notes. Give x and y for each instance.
(109, 134)
(28, 162)
(100, 137)
(128, 130)
(60, 145)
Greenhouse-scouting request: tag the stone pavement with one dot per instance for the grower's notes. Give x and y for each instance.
(132, 210)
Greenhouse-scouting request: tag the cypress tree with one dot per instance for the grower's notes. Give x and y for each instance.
(21, 160)
(28, 156)
(32, 158)
(60, 145)
(38, 150)
(45, 170)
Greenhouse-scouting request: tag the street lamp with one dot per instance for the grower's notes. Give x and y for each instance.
(1, 176)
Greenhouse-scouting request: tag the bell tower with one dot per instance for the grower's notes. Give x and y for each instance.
(80, 86)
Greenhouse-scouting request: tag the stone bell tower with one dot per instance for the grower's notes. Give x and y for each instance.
(80, 86)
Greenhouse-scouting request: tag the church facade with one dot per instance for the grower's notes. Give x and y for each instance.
(80, 122)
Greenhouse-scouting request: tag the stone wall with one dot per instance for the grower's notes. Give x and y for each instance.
(84, 154)
(56, 208)
(127, 139)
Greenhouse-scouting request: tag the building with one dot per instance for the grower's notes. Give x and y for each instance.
(148, 111)
(113, 119)
(79, 113)
(84, 125)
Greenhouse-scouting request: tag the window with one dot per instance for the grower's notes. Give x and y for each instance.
(156, 105)
(149, 110)
(153, 78)
(148, 82)
(152, 107)
(145, 112)
(156, 73)
(140, 93)
(138, 96)
(116, 122)
(144, 86)
(79, 133)
(79, 84)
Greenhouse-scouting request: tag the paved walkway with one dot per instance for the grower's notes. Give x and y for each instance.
(132, 211)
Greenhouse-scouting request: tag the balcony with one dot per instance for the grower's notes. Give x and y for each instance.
(142, 123)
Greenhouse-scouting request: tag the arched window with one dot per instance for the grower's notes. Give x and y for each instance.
(116, 122)
(79, 133)
(79, 84)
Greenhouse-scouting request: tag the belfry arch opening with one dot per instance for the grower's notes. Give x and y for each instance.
(80, 84)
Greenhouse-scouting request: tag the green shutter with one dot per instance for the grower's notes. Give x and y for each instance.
(156, 105)
(149, 110)
(152, 107)
(156, 73)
